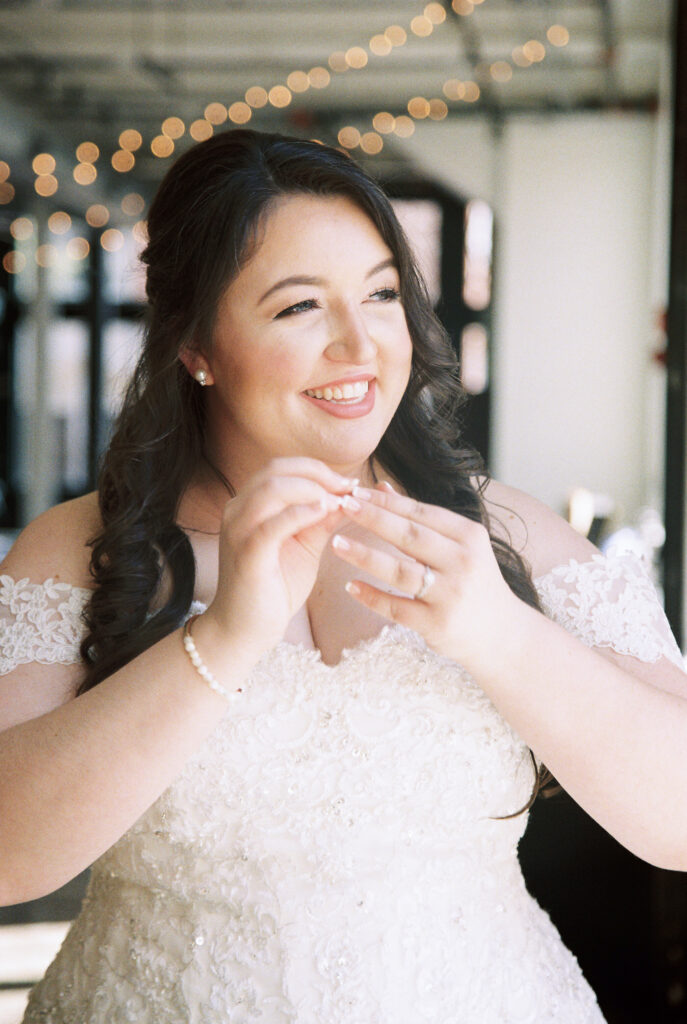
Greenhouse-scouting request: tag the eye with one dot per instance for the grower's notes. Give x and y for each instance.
(298, 307)
(386, 294)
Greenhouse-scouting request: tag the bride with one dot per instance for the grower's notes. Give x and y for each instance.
(288, 681)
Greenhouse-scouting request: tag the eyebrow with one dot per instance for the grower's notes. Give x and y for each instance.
(303, 279)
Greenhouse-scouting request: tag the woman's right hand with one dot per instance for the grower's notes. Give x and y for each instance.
(272, 536)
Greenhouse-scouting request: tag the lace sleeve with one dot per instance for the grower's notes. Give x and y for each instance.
(610, 602)
(40, 622)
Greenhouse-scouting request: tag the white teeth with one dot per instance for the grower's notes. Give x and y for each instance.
(346, 392)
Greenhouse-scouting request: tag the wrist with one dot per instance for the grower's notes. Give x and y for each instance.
(227, 656)
(514, 632)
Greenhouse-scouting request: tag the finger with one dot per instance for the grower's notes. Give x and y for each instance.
(399, 609)
(270, 496)
(443, 520)
(414, 539)
(404, 574)
(285, 524)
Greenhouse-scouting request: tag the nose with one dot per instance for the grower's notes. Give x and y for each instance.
(351, 341)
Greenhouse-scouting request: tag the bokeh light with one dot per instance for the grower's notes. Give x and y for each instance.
(59, 222)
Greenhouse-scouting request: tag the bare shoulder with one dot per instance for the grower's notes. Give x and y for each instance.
(55, 545)
(542, 537)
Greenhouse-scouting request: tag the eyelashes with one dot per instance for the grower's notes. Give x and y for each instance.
(379, 295)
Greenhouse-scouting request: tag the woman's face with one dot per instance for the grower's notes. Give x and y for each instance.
(311, 352)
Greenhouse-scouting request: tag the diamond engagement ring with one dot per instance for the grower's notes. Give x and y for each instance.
(428, 579)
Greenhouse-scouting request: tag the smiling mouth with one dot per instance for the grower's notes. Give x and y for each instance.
(344, 394)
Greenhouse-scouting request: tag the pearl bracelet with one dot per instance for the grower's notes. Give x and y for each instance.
(200, 666)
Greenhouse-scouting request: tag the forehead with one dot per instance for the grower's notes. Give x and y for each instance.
(310, 228)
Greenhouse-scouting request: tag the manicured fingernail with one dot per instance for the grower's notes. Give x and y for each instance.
(352, 588)
(350, 503)
(387, 486)
(360, 492)
(340, 542)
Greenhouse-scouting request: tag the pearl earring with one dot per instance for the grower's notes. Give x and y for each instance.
(202, 377)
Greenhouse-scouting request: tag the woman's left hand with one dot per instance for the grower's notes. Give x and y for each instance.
(456, 597)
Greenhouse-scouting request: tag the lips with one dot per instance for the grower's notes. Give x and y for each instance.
(349, 391)
(360, 402)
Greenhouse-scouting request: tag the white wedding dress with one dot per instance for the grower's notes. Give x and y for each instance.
(333, 854)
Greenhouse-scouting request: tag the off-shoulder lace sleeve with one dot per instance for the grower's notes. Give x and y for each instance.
(610, 601)
(40, 622)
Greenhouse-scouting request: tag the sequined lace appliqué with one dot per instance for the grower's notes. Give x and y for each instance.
(39, 622)
(610, 602)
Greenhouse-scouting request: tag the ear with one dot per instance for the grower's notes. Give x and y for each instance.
(195, 362)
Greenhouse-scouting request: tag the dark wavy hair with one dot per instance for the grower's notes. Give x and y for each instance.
(202, 226)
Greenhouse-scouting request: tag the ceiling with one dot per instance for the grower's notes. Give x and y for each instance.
(77, 70)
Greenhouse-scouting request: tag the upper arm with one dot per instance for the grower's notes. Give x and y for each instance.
(547, 541)
(543, 538)
(53, 547)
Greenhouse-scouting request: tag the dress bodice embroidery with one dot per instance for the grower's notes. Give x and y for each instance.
(333, 853)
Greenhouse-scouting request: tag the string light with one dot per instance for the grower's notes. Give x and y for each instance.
(298, 81)
(558, 35)
(133, 204)
(45, 185)
(418, 107)
(173, 127)
(240, 113)
(214, 113)
(421, 26)
(131, 139)
(140, 232)
(112, 240)
(21, 228)
(59, 222)
(43, 164)
(85, 174)
(349, 137)
(97, 215)
(256, 96)
(87, 153)
(453, 89)
(404, 126)
(396, 35)
(371, 143)
(4, 171)
(319, 77)
(162, 146)
(14, 262)
(501, 71)
(279, 96)
(200, 130)
(122, 160)
(383, 122)
(6, 192)
(463, 7)
(437, 109)
(534, 50)
(436, 13)
(356, 57)
(77, 248)
(380, 45)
